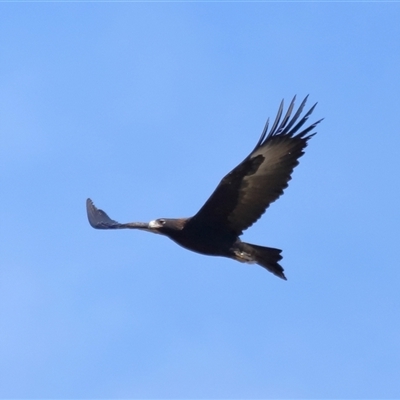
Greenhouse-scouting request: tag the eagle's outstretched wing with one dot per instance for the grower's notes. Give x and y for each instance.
(100, 220)
(246, 192)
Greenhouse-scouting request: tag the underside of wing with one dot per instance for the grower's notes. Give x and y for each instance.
(246, 192)
(98, 219)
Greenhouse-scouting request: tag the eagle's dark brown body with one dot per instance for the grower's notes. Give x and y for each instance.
(239, 200)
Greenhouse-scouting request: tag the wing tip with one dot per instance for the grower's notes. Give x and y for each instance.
(98, 219)
(286, 127)
(91, 210)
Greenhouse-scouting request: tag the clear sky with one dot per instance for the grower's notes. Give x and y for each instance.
(144, 107)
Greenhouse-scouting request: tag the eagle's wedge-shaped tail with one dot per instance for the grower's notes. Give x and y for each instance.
(267, 257)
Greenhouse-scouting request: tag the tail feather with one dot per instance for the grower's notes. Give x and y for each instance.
(267, 257)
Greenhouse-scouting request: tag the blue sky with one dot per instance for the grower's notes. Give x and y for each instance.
(144, 107)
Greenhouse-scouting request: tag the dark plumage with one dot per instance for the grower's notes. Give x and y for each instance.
(239, 200)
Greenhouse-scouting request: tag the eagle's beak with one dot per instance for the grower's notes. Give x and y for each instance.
(154, 225)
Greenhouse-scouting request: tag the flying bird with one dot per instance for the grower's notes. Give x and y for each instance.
(239, 200)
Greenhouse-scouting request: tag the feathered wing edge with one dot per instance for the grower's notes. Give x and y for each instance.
(99, 219)
(228, 191)
(286, 126)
